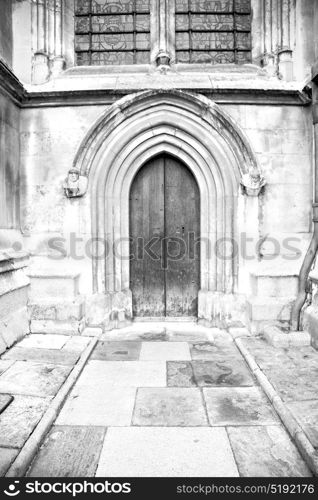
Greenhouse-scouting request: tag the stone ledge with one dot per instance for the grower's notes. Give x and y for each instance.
(11, 260)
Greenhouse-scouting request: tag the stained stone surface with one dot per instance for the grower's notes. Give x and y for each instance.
(141, 333)
(294, 385)
(33, 379)
(69, 452)
(76, 344)
(164, 351)
(169, 407)
(50, 356)
(238, 406)
(204, 373)
(175, 336)
(7, 456)
(124, 374)
(180, 374)
(266, 452)
(306, 412)
(20, 418)
(269, 357)
(120, 351)
(44, 341)
(5, 364)
(214, 350)
(5, 400)
(98, 405)
(166, 452)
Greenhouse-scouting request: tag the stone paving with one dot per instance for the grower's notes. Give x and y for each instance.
(153, 400)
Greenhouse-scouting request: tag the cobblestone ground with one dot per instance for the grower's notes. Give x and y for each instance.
(153, 400)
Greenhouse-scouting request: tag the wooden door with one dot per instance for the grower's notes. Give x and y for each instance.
(164, 247)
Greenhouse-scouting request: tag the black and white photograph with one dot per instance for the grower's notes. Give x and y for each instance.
(158, 248)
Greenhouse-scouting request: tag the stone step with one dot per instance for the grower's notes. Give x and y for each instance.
(274, 285)
(53, 284)
(58, 309)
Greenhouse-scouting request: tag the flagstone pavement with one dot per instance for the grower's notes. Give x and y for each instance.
(156, 400)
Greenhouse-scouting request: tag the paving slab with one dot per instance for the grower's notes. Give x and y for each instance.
(5, 364)
(7, 455)
(212, 351)
(76, 344)
(33, 379)
(69, 452)
(164, 351)
(306, 412)
(47, 356)
(5, 400)
(19, 419)
(44, 341)
(239, 406)
(137, 332)
(294, 385)
(188, 336)
(266, 452)
(124, 374)
(169, 406)
(117, 351)
(166, 452)
(230, 373)
(98, 406)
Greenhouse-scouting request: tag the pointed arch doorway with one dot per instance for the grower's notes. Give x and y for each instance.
(164, 217)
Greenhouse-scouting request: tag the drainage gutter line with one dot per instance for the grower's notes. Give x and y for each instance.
(313, 247)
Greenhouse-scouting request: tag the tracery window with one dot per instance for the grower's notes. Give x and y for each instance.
(112, 32)
(109, 32)
(213, 31)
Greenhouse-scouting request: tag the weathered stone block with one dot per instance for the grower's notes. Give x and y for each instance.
(53, 284)
(15, 326)
(57, 327)
(279, 338)
(273, 286)
(13, 300)
(269, 309)
(310, 323)
(66, 310)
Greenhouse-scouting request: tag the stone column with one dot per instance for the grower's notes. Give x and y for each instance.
(278, 37)
(47, 29)
(58, 62)
(40, 66)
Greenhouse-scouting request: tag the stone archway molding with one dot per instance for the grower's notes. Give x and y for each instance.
(197, 132)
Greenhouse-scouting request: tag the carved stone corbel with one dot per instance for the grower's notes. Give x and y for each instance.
(252, 183)
(75, 185)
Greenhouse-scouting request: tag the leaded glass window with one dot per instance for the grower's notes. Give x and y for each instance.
(213, 31)
(112, 32)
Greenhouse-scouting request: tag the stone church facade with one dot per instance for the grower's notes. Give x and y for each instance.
(157, 120)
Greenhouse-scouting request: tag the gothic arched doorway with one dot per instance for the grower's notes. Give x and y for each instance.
(164, 208)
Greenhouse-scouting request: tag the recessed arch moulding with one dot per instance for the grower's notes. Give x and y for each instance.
(199, 133)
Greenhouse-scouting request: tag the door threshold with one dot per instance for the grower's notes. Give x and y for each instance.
(183, 319)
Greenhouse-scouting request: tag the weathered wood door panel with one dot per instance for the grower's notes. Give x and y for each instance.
(164, 227)
(181, 230)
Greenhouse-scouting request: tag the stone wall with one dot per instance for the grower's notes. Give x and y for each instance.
(6, 31)
(9, 163)
(279, 135)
